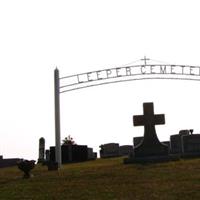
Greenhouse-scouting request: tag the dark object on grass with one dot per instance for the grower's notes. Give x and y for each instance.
(26, 166)
(52, 166)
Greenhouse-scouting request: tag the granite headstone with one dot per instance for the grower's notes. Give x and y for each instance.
(109, 150)
(191, 145)
(41, 150)
(125, 150)
(150, 149)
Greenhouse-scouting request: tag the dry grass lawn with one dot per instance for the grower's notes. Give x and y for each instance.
(105, 179)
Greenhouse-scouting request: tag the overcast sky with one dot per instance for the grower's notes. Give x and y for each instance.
(81, 36)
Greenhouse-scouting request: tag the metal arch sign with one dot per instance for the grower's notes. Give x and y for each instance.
(115, 75)
(128, 73)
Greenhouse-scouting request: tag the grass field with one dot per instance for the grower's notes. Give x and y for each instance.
(105, 179)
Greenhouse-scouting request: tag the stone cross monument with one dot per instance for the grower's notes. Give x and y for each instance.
(150, 146)
(150, 149)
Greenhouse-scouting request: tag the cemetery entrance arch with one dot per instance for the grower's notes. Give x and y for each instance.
(116, 75)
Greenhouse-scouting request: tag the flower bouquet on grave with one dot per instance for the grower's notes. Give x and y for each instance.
(68, 141)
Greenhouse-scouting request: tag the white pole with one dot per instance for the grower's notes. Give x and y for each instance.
(57, 116)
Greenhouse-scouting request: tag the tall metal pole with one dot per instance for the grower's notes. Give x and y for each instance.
(57, 116)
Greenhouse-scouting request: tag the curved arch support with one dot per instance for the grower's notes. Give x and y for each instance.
(129, 73)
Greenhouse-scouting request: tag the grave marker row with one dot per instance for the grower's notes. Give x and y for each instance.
(73, 153)
(146, 149)
(8, 162)
(180, 144)
(114, 150)
(186, 145)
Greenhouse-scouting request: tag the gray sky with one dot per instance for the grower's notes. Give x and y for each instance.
(80, 36)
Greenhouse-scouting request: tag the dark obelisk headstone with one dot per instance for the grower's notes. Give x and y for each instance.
(41, 150)
(150, 146)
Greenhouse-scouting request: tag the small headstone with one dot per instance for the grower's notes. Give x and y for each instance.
(125, 150)
(176, 142)
(8, 162)
(71, 153)
(191, 145)
(41, 150)
(91, 154)
(66, 153)
(79, 153)
(52, 154)
(109, 150)
(47, 152)
(95, 155)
